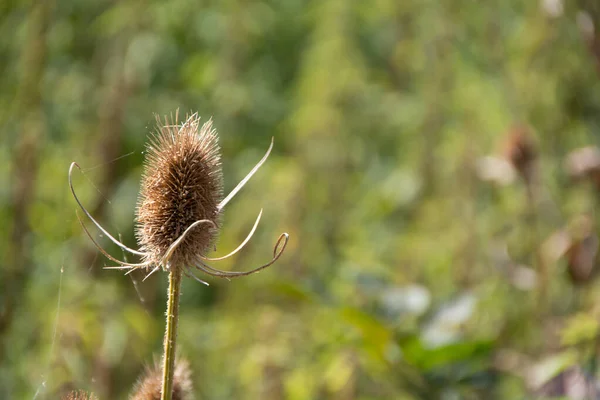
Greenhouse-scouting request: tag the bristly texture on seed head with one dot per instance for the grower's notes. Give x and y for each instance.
(149, 385)
(182, 183)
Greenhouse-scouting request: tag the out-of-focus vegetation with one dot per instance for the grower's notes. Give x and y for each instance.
(422, 263)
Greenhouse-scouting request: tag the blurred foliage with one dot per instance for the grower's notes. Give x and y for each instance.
(421, 264)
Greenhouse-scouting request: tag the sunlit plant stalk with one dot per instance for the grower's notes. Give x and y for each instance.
(177, 216)
(171, 332)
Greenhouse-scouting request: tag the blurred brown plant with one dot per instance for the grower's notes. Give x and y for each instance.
(582, 265)
(584, 163)
(572, 383)
(521, 151)
(578, 244)
(591, 37)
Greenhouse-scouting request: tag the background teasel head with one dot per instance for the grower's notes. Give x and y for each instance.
(180, 202)
(148, 386)
(520, 150)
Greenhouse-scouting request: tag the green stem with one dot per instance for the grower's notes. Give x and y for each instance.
(538, 261)
(171, 333)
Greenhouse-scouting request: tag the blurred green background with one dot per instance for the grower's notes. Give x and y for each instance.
(422, 264)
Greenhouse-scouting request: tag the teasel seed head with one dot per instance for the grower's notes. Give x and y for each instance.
(149, 385)
(182, 183)
(180, 202)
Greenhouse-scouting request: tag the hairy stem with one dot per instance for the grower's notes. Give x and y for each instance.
(171, 333)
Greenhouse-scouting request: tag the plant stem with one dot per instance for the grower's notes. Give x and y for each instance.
(538, 261)
(171, 333)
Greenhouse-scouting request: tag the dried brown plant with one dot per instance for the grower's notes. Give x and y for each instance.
(584, 164)
(178, 217)
(521, 151)
(182, 184)
(180, 203)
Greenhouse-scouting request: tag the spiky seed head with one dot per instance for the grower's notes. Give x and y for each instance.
(181, 184)
(149, 385)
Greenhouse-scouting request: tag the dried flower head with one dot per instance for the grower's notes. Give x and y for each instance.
(182, 183)
(520, 150)
(149, 387)
(180, 202)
